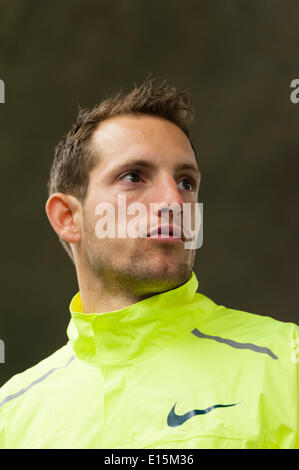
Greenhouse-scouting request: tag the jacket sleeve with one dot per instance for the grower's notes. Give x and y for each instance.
(2, 427)
(295, 356)
(4, 393)
(2, 424)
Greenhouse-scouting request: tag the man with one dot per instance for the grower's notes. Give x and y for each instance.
(150, 362)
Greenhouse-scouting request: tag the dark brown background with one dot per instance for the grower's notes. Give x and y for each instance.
(237, 58)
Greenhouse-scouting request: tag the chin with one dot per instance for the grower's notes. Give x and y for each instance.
(168, 271)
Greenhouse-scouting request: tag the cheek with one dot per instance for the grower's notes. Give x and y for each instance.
(89, 222)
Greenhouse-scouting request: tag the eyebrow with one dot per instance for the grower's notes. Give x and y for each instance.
(149, 164)
(187, 166)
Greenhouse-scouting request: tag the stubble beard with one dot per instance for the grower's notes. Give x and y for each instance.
(124, 264)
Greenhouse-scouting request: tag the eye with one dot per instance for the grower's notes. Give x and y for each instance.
(132, 176)
(188, 184)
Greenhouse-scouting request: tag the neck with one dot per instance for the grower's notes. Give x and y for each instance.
(115, 291)
(102, 296)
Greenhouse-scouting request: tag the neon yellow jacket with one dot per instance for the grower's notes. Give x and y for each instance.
(172, 371)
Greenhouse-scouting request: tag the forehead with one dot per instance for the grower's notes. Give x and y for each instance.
(126, 136)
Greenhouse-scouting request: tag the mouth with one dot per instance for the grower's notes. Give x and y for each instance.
(168, 233)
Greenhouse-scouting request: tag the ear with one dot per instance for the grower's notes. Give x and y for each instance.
(64, 214)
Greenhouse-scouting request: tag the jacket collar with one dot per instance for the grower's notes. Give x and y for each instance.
(133, 333)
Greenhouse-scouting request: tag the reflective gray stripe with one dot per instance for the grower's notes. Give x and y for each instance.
(235, 344)
(37, 381)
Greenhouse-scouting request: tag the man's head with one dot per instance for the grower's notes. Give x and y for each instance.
(144, 135)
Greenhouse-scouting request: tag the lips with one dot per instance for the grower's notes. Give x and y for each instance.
(166, 231)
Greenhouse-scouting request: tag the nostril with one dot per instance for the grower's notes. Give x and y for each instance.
(162, 210)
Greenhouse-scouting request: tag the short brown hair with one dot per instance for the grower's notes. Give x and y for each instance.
(73, 160)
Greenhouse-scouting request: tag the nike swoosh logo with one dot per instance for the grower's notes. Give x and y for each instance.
(176, 420)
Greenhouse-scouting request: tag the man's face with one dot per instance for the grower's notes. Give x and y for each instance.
(141, 158)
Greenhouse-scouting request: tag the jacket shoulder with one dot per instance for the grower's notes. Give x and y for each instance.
(248, 327)
(21, 382)
(262, 323)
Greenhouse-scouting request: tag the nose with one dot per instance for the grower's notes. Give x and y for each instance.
(168, 196)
